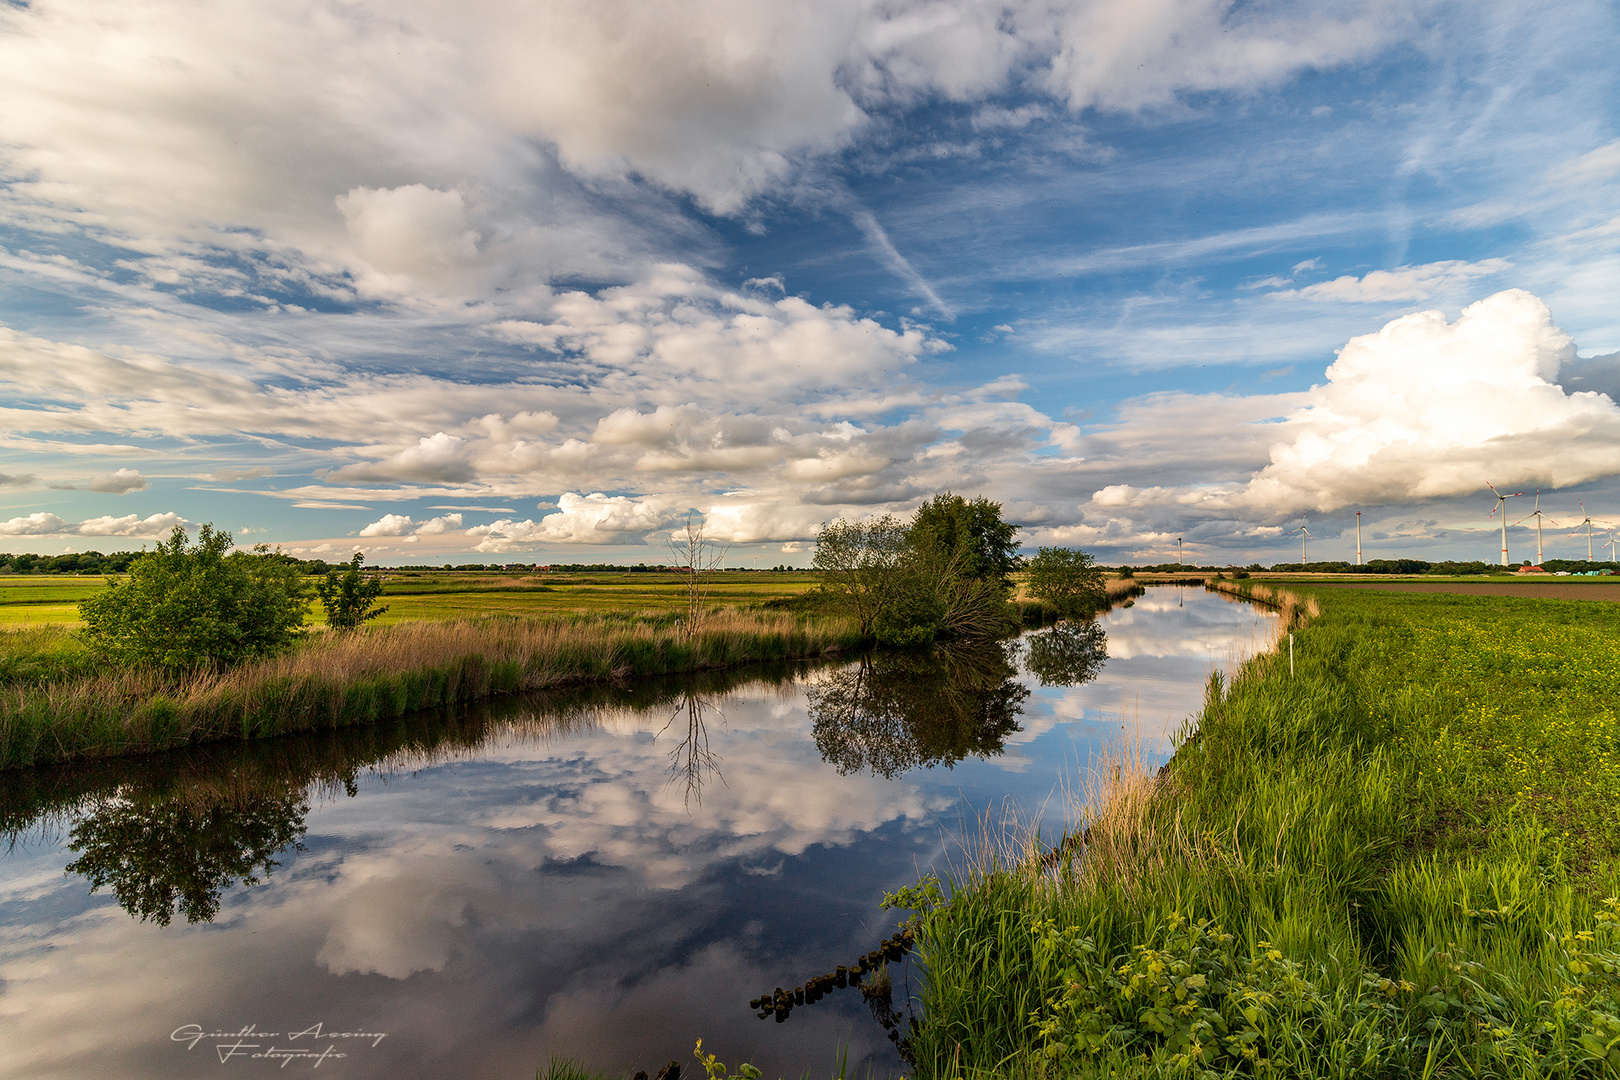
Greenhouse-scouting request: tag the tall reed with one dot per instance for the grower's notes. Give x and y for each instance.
(334, 680)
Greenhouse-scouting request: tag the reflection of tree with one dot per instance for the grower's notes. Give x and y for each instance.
(173, 831)
(898, 711)
(1068, 654)
(174, 854)
(692, 760)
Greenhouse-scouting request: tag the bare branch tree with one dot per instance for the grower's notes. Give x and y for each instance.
(697, 556)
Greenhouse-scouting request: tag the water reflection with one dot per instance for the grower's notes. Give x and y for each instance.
(692, 761)
(1068, 654)
(496, 886)
(176, 854)
(894, 712)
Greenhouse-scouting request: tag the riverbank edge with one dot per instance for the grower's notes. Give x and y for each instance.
(381, 673)
(1320, 895)
(333, 681)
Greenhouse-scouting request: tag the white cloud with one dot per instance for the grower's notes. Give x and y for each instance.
(1422, 409)
(120, 482)
(45, 524)
(387, 133)
(580, 519)
(157, 525)
(1134, 54)
(1401, 283)
(40, 524)
(1425, 408)
(402, 525)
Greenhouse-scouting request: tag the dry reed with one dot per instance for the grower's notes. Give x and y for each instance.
(334, 680)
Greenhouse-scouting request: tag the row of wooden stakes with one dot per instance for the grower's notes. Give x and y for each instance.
(782, 1001)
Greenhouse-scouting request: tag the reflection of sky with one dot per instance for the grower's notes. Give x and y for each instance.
(560, 896)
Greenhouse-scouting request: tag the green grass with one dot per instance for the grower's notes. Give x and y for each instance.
(38, 600)
(1391, 863)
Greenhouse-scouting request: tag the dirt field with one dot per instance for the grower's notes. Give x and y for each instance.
(1557, 589)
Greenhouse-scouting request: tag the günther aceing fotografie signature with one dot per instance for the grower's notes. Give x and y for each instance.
(312, 1045)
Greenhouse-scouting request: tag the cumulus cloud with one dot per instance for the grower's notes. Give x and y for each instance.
(40, 524)
(1422, 409)
(1426, 408)
(1401, 283)
(402, 525)
(46, 524)
(580, 519)
(121, 482)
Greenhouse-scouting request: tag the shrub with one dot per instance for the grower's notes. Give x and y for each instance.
(349, 596)
(1066, 578)
(186, 607)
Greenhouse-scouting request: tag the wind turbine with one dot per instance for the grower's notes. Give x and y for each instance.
(1304, 544)
(1358, 537)
(1588, 523)
(1538, 515)
(1179, 561)
(1501, 500)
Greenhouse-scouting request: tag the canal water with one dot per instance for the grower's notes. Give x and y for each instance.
(604, 876)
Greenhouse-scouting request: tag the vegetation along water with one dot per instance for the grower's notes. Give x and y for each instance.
(1387, 849)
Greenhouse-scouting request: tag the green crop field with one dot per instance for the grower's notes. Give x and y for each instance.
(41, 600)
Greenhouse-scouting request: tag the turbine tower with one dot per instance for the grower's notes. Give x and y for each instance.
(1178, 553)
(1304, 545)
(1588, 523)
(1538, 515)
(1358, 537)
(1501, 500)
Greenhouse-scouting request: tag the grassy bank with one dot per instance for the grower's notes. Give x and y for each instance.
(1394, 862)
(57, 710)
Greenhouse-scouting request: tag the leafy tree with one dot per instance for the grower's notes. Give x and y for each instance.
(186, 607)
(349, 596)
(860, 565)
(1066, 578)
(971, 532)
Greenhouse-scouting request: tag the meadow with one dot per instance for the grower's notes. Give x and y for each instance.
(1397, 859)
(41, 599)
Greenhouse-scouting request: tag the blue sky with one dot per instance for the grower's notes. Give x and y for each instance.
(535, 281)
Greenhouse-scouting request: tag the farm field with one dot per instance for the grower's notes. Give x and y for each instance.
(41, 600)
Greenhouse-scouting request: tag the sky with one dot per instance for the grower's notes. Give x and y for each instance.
(526, 281)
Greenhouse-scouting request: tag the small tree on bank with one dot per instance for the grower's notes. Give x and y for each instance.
(1067, 579)
(860, 565)
(349, 596)
(942, 574)
(186, 607)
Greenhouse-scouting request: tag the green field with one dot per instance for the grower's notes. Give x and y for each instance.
(1396, 859)
(39, 600)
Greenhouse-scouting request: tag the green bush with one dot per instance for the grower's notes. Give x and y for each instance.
(1066, 578)
(186, 607)
(349, 596)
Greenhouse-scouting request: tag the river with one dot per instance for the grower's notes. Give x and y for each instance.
(604, 876)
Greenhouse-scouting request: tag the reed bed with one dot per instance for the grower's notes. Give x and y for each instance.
(1295, 894)
(336, 680)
